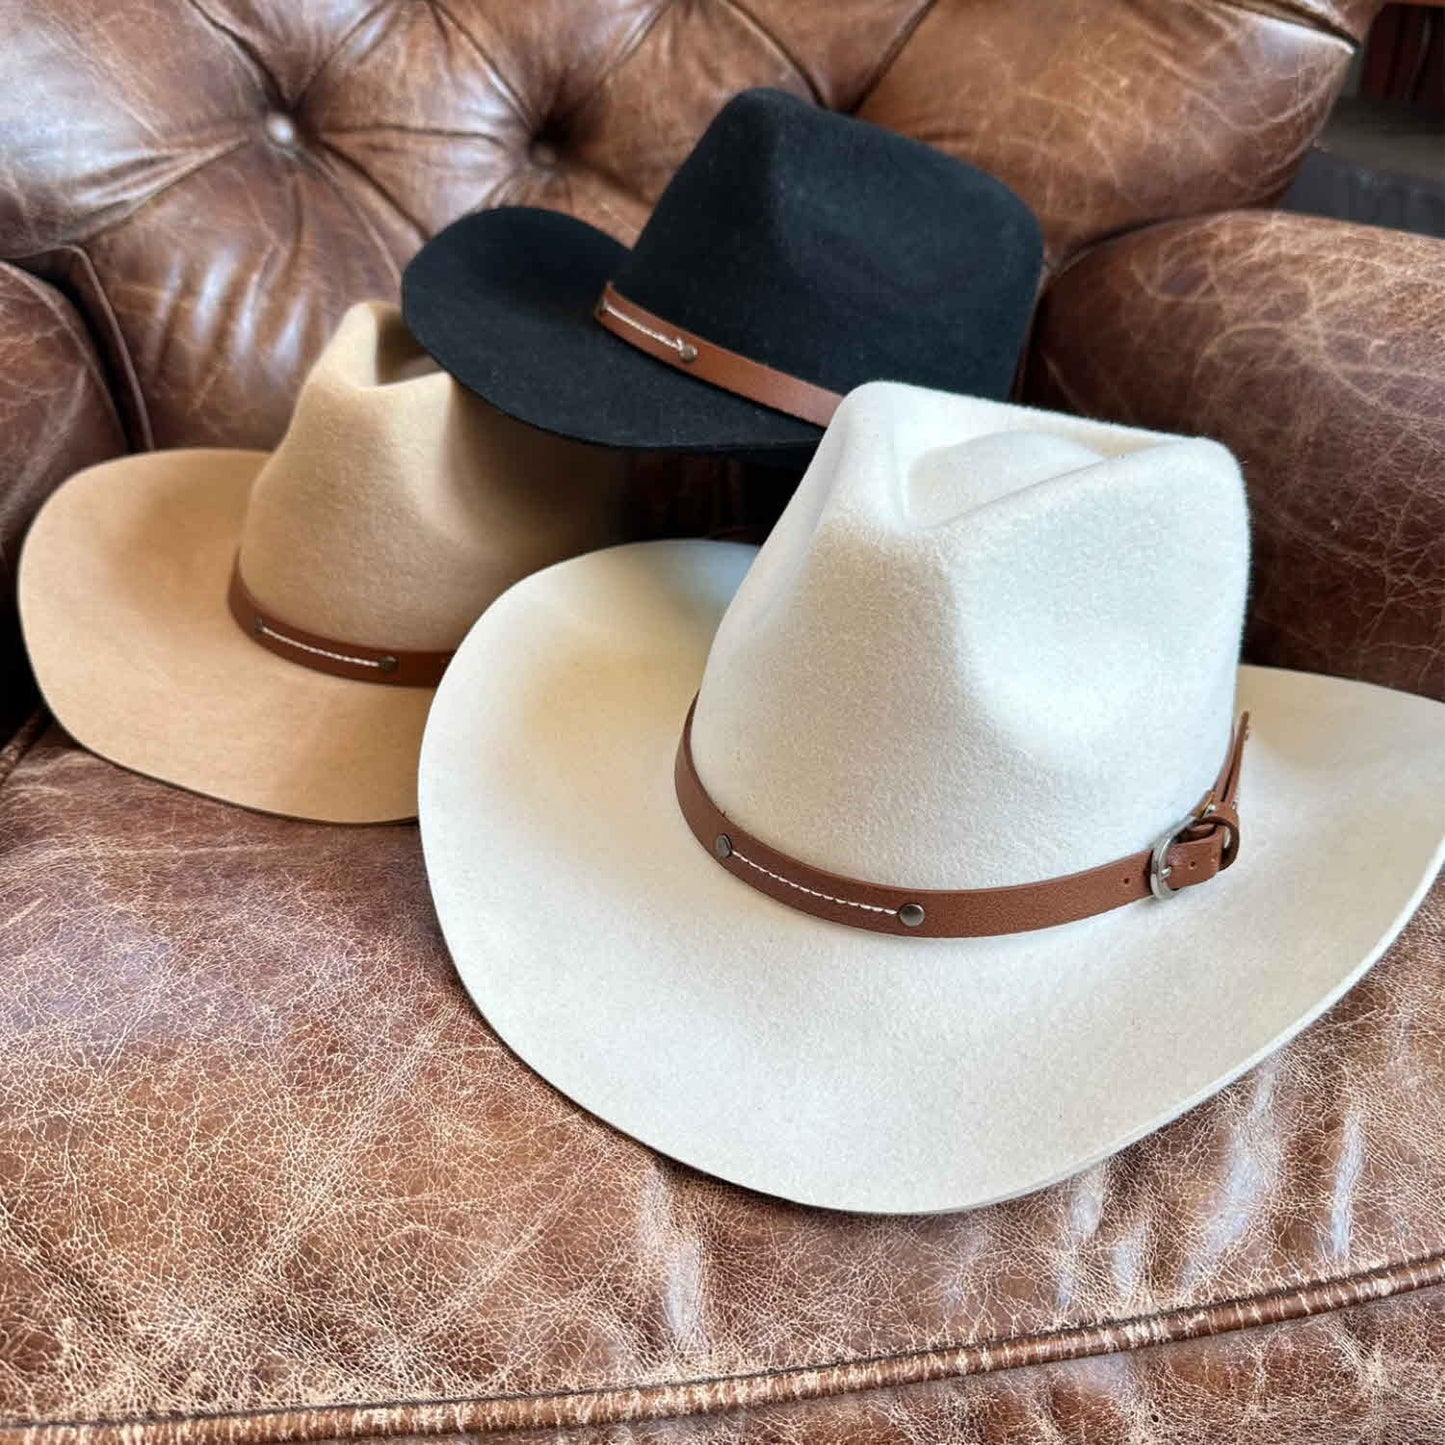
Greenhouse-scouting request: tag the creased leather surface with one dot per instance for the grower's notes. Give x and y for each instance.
(1371, 1374)
(1313, 349)
(236, 172)
(258, 1153)
(55, 417)
(1108, 116)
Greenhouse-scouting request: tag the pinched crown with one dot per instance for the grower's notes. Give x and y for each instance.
(397, 505)
(984, 645)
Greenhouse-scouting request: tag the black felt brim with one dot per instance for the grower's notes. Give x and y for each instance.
(504, 301)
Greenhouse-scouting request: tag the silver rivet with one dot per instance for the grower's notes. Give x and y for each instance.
(387, 664)
(687, 351)
(722, 845)
(911, 915)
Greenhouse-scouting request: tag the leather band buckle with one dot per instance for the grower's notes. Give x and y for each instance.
(1216, 810)
(1186, 830)
(1192, 852)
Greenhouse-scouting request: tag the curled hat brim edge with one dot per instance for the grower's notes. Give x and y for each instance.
(846, 1069)
(504, 301)
(122, 589)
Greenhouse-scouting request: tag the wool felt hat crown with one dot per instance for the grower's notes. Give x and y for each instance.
(268, 629)
(984, 648)
(795, 254)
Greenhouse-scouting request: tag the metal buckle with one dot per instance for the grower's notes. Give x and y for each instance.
(1159, 869)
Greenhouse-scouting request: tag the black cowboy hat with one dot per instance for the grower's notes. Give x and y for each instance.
(795, 254)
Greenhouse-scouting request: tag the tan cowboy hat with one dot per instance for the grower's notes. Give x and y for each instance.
(268, 629)
(965, 876)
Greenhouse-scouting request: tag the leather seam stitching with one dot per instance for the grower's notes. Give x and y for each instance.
(1342, 1293)
(1318, 25)
(115, 348)
(801, 71)
(906, 33)
(72, 319)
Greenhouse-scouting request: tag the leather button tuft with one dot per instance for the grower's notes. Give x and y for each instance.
(544, 153)
(281, 130)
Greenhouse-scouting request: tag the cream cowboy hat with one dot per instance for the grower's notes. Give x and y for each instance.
(269, 628)
(955, 882)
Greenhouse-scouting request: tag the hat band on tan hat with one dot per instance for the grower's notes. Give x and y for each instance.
(395, 666)
(711, 363)
(1194, 851)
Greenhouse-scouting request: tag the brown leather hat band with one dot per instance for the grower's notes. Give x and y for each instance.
(393, 666)
(1199, 848)
(714, 364)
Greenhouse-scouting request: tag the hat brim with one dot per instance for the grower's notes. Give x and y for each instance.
(122, 586)
(848, 1069)
(504, 301)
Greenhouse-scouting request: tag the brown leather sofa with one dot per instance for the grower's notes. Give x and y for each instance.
(264, 1174)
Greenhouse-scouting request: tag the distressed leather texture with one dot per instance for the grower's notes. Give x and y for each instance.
(1312, 349)
(210, 183)
(214, 181)
(264, 1174)
(56, 416)
(267, 1176)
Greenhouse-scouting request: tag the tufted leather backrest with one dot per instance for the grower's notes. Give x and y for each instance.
(214, 181)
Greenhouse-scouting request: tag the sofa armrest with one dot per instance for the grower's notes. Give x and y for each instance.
(56, 416)
(1316, 351)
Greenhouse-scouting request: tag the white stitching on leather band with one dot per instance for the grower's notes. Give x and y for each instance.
(813, 892)
(318, 651)
(684, 349)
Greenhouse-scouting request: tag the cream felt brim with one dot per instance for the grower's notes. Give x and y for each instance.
(123, 584)
(849, 1069)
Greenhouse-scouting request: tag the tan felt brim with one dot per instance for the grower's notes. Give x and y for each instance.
(843, 1068)
(123, 604)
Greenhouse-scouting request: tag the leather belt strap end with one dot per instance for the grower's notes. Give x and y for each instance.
(394, 666)
(1194, 852)
(711, 363)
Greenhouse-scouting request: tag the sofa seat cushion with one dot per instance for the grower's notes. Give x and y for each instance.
(264, 1170)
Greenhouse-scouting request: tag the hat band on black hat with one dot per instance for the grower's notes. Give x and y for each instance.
(711, 363)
